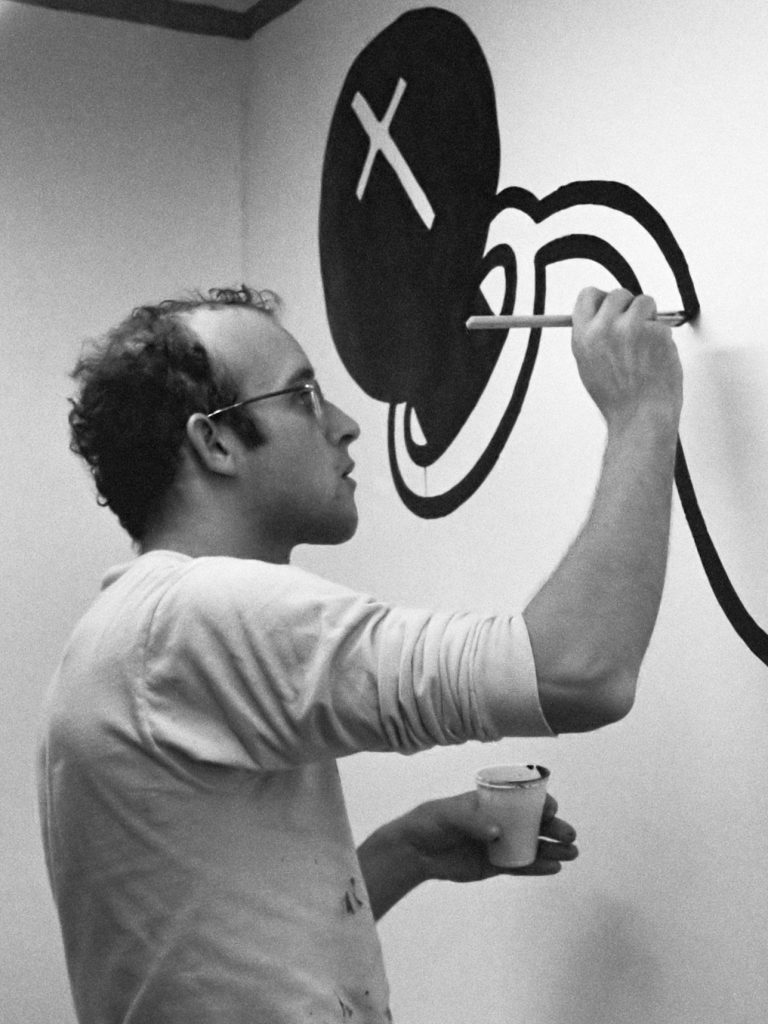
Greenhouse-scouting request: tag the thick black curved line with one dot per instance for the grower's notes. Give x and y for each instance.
(618, 197)
(615, 196)
(501, 257)
(589, 247)
(443, 504)
(745, 626)
(437, 506)
(625, 200)
(731, 604)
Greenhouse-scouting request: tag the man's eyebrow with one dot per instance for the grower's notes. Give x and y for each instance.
(301, 376)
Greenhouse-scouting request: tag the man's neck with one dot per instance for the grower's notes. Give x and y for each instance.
(203, 539)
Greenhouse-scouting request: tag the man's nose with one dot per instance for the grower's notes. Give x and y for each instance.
(341, 427)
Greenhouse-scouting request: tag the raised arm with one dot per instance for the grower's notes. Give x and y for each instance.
(591, 622)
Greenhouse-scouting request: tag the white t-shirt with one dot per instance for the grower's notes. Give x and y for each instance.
(195, 831)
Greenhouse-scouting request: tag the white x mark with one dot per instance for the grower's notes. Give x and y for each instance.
(382, 142)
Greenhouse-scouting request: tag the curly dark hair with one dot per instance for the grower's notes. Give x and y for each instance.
(139, 385)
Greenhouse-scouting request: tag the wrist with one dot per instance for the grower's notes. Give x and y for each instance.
(653, 420)
(390, 865)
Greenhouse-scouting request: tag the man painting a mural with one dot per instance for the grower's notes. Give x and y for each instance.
(196, 835)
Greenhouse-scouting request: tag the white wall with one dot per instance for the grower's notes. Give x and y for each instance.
(119, 183)
(664, 916)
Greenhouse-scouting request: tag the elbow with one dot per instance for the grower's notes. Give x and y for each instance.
(614, 698)
(583, 704)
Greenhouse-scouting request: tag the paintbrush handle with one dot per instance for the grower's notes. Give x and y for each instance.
(483, 323)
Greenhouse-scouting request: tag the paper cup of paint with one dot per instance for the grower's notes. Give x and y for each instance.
(513, 795)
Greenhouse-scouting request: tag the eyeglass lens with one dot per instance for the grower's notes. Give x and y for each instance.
(318, 401)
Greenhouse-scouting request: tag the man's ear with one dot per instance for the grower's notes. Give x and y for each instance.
(210, 445)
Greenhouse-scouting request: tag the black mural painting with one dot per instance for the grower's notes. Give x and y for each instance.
(409, 190)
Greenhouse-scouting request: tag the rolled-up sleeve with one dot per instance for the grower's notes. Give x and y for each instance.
(250, 664)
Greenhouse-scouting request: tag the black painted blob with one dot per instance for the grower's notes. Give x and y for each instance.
(410, 173)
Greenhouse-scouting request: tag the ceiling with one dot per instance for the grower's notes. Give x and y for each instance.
(236, 19)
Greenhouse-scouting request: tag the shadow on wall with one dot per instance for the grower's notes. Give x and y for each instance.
(618, 976)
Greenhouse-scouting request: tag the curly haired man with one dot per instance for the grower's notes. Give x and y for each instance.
(194, 825)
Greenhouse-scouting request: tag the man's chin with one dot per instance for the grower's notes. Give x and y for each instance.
(343, 533)
(331, 531)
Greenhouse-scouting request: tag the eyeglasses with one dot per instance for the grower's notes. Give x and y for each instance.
(311, 388)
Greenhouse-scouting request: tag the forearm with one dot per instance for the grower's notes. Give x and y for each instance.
(390, 867)
(591, 622)
(448, 839)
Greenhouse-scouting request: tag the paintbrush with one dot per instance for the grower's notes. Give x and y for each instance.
(484, 323)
